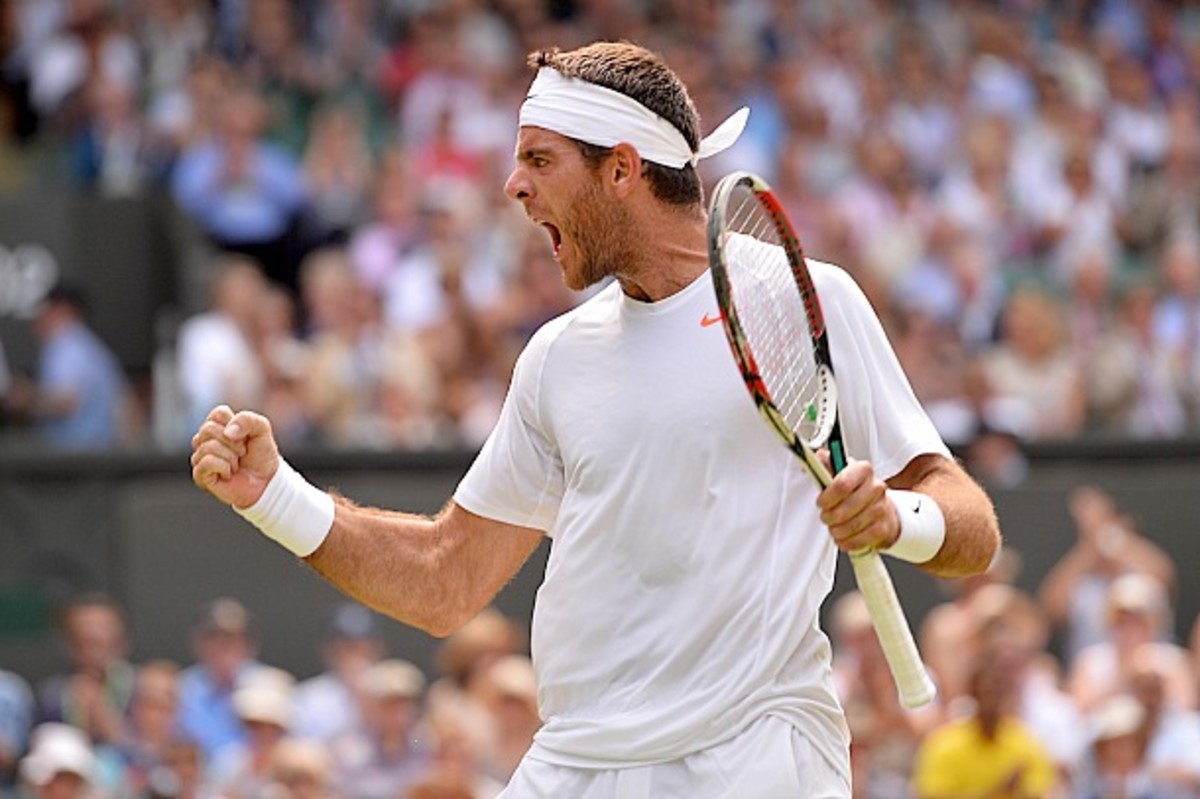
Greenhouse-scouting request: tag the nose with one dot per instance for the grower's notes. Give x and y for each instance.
(518, 187)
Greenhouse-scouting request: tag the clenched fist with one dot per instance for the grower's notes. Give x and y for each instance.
(234, 456)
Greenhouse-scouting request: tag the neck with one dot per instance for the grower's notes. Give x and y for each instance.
(673, 255)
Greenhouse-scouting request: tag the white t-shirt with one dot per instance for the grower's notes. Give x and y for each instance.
(688, 563)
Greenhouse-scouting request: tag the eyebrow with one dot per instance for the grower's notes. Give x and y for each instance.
(530, 153)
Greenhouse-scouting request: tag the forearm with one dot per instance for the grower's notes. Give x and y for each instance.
(433, 573)
(972, 530)
(397, 563)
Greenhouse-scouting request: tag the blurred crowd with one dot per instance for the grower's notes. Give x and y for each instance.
(1015, 183)
(370, 726)
(1073, 688)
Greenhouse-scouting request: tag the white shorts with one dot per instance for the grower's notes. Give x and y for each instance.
(770, 760)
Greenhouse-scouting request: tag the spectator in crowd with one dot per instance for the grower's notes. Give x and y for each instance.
(1171, 735)
(113, 152)
(1032, 364)
(93, 693)
(182, 774)
(172, 35)
(272, 54)
(218, 358)
(300, 769)
(1091, 320)
(344, 342)
(338, 168)
(1075, 591)
(510, 691)
(1176, 318)
(285, 359)
(60, 763)
(1076, 215)
(1009, 626)
(80, 399)
(393, 226)
(443, 785)
(976, 195)
(190, 114)
(16, 719)
(242, 191)
(463, 753)
(1116, 762)
(444, 272)
(88, 43)
(1162, 205)
(264, 706)
(387, 755)
(149, 728)
(990, 752)
(224, 647)
(1139, 616)
(463, 659)
(329, 704)
(1145, 381)
(350, 43)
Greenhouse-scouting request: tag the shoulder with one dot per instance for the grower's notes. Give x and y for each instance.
(833, 283)
(194, 680)
(592, 311)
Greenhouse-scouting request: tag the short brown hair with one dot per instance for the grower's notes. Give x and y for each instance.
(641, 75)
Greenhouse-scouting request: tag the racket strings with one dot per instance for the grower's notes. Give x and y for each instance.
(772, 315)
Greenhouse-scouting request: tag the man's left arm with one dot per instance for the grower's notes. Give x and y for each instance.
(864, 511)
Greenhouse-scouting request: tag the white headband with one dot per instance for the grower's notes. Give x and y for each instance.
(604, 117)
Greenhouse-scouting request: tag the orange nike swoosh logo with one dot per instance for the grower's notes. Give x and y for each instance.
(708, 321)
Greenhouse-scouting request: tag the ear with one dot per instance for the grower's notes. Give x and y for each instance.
(625, 168)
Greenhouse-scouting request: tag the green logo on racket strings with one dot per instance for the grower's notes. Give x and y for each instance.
(811, 412)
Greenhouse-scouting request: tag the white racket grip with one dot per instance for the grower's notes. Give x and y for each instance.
(912, 680)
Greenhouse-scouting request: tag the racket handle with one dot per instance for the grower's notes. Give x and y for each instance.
(912, 680)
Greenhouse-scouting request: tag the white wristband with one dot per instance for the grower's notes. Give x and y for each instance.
(922, 526)
(292, 511)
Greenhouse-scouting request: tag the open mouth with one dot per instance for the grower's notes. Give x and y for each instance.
(555, 236)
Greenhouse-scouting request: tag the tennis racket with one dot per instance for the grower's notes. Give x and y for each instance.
(772, 318)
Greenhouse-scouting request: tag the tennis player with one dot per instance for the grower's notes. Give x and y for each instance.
(676, 632)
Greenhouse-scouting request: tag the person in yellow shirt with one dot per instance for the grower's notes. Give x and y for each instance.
(989, 754)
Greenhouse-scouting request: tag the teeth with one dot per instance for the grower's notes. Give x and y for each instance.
(555, 236)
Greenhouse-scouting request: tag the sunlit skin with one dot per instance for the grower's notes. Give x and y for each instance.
(606, 222)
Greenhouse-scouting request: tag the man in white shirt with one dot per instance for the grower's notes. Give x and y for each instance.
(675, 636)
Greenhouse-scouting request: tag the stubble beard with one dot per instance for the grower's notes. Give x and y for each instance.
(600, 229)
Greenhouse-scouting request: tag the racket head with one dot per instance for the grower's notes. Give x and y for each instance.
(770, 311)
(776, 329)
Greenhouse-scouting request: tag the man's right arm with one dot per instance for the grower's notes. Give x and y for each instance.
(434, 573)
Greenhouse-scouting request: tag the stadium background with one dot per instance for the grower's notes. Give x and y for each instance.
(826, 82)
